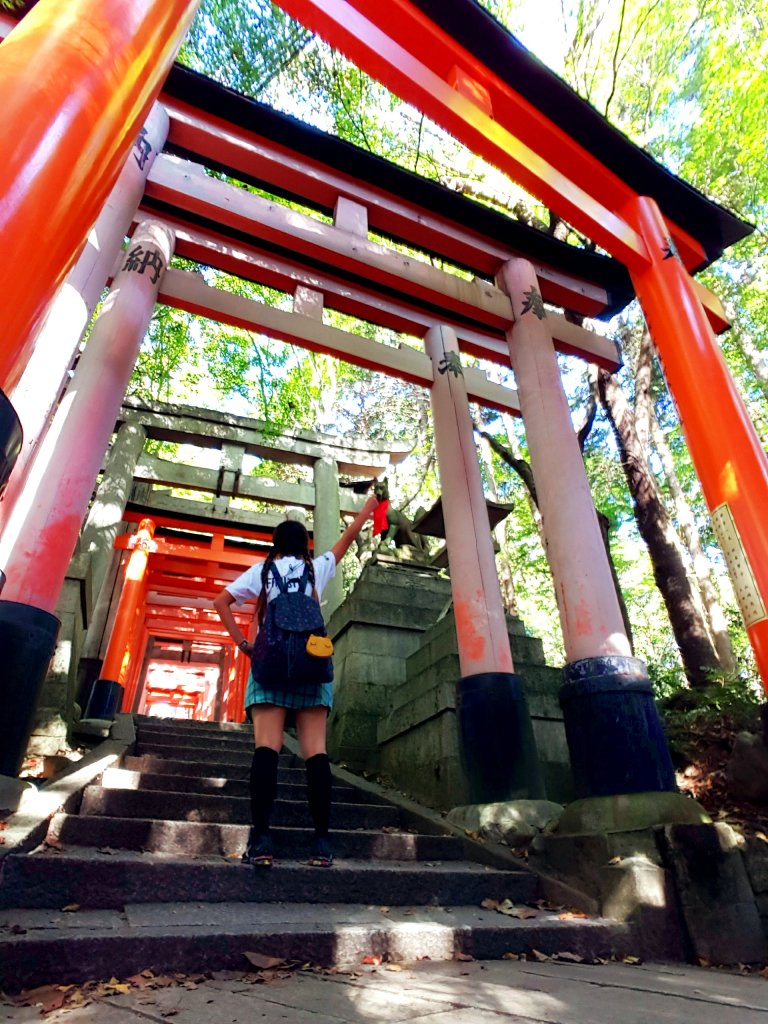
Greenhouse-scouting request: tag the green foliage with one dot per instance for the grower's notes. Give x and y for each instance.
(693, 719)
(243, 45)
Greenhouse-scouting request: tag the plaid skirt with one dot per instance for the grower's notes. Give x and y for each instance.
(297, 697)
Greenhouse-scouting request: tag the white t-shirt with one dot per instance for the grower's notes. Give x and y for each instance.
(290, 568)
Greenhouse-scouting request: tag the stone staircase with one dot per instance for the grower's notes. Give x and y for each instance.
(148, 875)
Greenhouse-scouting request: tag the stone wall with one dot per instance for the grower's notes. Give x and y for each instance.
(54, 714)
(397, 667)
(374, 631)
(419, 740)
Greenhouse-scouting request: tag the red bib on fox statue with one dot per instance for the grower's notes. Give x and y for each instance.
(380, 523)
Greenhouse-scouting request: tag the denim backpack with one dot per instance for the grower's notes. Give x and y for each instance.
(280, 658)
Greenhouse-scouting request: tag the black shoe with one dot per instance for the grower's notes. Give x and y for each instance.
(259, 852)
(321, 855)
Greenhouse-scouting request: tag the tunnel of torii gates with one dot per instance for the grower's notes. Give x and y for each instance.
(109, 138)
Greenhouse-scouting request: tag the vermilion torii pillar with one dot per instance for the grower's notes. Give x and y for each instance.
(724, 446)
(120, 660)
(614, 734)
(55, 344)
(77, 81)
(497, 741)
(44, 528)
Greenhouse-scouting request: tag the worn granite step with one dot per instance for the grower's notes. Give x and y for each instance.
(209, 753)
(59, 878)
(189, 725)
(147, 803)
(223, 768)
(191, 838)
(75, 947)
(193, 741)
(121, 778)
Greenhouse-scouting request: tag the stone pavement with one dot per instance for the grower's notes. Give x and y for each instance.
(507, 992)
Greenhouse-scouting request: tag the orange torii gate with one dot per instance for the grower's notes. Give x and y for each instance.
(492, 95)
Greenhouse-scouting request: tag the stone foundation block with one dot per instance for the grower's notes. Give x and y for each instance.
(514, 822)
(714, 893)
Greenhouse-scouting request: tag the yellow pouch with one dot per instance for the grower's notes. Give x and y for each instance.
(319, 646)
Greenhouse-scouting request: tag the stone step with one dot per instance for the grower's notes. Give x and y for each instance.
(188, 725)
(209, 754)
(123, 778)
(55, 948)
(84, 877)
(131, 803)
(193, 740)
(223, 769)
(192, 838)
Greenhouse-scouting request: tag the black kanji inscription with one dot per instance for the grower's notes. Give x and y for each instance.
(139, 260)
(534, 304)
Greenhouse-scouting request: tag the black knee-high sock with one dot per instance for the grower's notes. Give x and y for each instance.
(319, 792)
(263, 787)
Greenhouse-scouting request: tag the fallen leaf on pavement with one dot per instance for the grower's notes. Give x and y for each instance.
(393, 967)
(571, 915)
(573, 958)
(375, 961)
(71, 908)
(510, 956)
(264, 962)
(464, 957)
(47, 997)
(546, 905)
(538, 955)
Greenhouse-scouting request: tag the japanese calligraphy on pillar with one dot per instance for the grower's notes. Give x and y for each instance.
(142, 149)
(139, 260)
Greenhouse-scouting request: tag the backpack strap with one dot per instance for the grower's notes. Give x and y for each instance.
(277, 579)
(303, 580)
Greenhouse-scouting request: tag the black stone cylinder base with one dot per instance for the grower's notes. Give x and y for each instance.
(614, 733)
(11, 437)
(105, 700)
(498, 748)
(27, 642)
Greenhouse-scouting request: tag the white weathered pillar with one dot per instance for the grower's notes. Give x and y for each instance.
(326, 528)
(498, 747)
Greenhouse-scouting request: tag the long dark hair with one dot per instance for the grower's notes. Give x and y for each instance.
(290, 538)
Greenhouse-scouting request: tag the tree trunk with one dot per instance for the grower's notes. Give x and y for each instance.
(701, 565)
(696, 650)
(523, 470)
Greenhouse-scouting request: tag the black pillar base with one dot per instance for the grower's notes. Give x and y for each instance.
(498, 748)
(27, 642)
(11, 437)
(104, 701)
(88, 671)
(614, 733)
